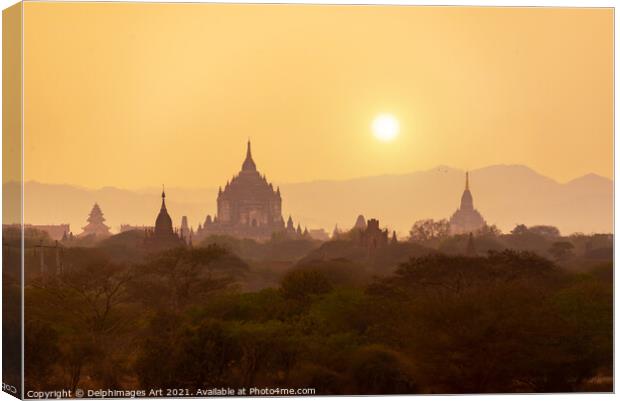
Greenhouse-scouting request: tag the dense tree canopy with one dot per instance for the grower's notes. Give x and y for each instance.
(438, 322)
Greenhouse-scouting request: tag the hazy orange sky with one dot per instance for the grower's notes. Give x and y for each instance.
(135, 95)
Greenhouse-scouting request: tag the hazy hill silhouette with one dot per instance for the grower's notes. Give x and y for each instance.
(504, 194)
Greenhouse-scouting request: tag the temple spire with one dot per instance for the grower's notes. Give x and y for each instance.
(163, 197)
(289, 224)
(248, 164)
(467, 180)
(467, 201)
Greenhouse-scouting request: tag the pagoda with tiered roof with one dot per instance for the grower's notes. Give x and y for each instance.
(95, 224)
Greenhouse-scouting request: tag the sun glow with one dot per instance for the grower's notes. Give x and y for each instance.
(385, 127)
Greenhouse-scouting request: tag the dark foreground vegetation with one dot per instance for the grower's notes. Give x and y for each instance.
(508, 321)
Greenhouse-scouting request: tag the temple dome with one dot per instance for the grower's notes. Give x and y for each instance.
(163, 223)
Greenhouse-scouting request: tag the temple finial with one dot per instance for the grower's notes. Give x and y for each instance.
(467, 180)
(163, 197)
(248, 164)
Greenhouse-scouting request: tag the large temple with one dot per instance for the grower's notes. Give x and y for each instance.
(466, 219)
(247, 207)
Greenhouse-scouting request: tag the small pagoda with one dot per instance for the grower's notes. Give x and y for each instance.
(95, 224)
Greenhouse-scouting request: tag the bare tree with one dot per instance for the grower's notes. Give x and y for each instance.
(429, 229)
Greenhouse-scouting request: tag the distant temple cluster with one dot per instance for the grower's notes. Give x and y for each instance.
(249, 207)
(368, 234)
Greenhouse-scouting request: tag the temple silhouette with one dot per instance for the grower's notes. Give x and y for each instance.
(466, 219)
(247, 207)
(163, 235)
(95, 226)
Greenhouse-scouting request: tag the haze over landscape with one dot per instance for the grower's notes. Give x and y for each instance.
(359, 131)
(505, 195)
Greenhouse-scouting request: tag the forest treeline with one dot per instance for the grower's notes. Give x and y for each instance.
(503, 321)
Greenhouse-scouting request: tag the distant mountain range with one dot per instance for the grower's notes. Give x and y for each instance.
(506, 195)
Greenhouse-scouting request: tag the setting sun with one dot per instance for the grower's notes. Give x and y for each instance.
(385, 127)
